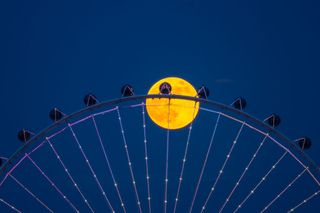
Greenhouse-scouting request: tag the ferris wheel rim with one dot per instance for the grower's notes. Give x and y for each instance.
(97, 106)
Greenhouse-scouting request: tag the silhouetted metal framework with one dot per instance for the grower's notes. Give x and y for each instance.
(222, 108)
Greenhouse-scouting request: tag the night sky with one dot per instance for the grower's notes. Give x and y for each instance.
(53, 53)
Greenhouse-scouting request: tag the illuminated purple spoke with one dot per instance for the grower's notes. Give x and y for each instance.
(284, 190)
(52, 183)
(31, 194)
(9, 205)
(205, 162)
(146, 156)
(12, 169)
(260, 182)
(223, 167)
(69, 175)
(167, 162)
(183, 163)
(91, 169)
(243, 174)
(304, 201)
(109, 165)
(129, 160)
(27, 190)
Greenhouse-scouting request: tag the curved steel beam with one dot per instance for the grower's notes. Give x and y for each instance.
(215, 104)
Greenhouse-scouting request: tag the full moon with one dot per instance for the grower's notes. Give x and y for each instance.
(172, 113)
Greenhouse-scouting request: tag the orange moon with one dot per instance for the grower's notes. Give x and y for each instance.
(172, 113)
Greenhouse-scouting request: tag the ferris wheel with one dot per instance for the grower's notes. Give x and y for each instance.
(171, 150)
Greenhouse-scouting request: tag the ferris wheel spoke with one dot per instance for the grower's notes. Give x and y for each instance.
(167, 161)
(182, 170)
(283, 191)
(69, 174)
(9, 205)
(13, 168)
(52, 183)
(31, 193)
(91, 169)
(108, 164)
(205, 162)
(28, 190)
(263, 179)
(129, 161)
(145, 141)
(183, 163)
(304, 201)
(243, 173)
(222, 168)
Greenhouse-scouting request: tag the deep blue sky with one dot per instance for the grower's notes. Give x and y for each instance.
(52, 53)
